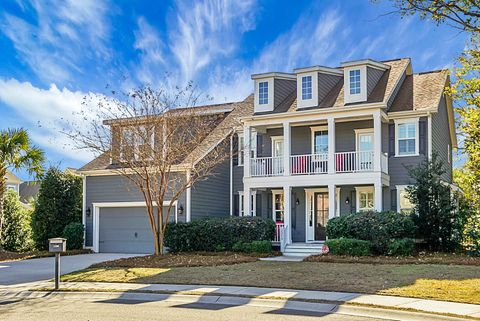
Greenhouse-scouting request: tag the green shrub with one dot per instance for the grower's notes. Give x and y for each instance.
(253, 247)
(59, 203)
(346, 246)
(377, 227)
(73, 232)
(217, 234)
(16, 231)
(401, 247)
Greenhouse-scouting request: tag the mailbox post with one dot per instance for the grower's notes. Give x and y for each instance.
(57, 245)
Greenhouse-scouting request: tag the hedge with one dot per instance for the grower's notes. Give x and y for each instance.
(380, 228)
(217, 234)
(345, 246)
(73, 232)
(401, 247)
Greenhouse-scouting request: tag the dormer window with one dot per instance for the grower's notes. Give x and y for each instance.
(306, 87)
(263, 93)
(355, 82)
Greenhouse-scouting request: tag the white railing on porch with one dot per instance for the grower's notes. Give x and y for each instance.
(309, 164)
(354, 162)
(266, 166)
(278, 229)
(283, 237)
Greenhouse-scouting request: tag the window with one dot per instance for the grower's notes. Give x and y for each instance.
(263, 93)
(253, 204)
(241, 149)
(11, 186)
(306, 87)
(403, 203)
(365, 199)
(407, 138)
(278, 212)
(137, 143)
(240, 203)
(320, 142)
(354, 82)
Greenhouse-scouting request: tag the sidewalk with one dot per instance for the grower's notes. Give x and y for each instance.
(431, 306)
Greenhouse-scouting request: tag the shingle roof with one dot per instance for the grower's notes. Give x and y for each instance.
(220, 132)
(421, 91)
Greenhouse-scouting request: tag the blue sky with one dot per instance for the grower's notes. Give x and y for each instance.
(54, 52)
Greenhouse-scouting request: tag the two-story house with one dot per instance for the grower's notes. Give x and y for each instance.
(313, 144)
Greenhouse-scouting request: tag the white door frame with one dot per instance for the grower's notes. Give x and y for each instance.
(96, 216)
(275, 192)
(309, 207)
(359, 132)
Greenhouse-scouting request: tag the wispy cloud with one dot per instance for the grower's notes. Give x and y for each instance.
(64, 34)
(46, 112)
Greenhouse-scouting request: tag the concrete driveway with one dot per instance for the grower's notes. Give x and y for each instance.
(18, 272)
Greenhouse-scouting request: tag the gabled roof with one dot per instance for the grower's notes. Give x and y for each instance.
(12, 178)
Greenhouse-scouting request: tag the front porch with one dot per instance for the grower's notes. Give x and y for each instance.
(301, 213)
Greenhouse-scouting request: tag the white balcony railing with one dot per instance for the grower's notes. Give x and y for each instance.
(354, 162)
(266, 166)
(309, 164)
(278, 230)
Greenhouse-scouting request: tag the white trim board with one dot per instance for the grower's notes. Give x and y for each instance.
(96, 217)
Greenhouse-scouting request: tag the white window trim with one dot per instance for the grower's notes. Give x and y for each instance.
(313, 130)
(304, 103)
(364, 189)
(364, 131)
(253, 203)
(274, 139)
(400, 188)
(264, 107)
(240, 203)
(449, 153)
(275, 192)
(355, 98)
(135, 142)
(416, 121)
(240, 147)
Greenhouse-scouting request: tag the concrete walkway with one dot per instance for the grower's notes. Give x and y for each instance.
(431, 306)
(18, 272)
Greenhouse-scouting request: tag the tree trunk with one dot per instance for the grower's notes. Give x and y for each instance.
(3, 189)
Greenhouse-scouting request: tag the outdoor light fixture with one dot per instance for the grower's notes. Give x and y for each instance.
(347, 200)
(88, 212)
(297, 202)
(180, 210)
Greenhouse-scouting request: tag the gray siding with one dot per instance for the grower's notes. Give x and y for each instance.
(282, 88)
(211, 197)
(301, 140)
(326, 82)
(373, 76)
(114, 188)
(441, 138)
(237, 178)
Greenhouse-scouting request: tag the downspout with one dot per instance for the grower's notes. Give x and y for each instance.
(429, 135)
(231, 175)
(84, 208)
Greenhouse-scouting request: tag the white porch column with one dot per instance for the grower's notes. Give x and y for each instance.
(188, 199)
(332, 201)
(247, 200)
(247, 136)
(286, 148)
(377, 141)
(331, 145)
(287, 209)
(378, 196)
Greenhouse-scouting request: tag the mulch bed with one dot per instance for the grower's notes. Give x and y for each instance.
(6, 256)
(421, 258)
(179, 260)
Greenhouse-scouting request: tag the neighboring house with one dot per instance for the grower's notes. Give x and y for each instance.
(13, 182)
(314, 144)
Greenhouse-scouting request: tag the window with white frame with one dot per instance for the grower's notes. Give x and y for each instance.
(407, 137)
(320, 142)
(253, 204)
(137, 143)
(11, 186)
(240, 204)
(354, 77)
(278, 207)
(263, 93)
(241, 149)
(306, 87)
(365, 199)
(403, 203)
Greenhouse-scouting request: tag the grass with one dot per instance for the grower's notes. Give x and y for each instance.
(459, 283)
(6, 256)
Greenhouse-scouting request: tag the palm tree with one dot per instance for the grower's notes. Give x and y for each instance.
(16, 152)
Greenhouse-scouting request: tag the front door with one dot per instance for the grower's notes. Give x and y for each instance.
(277, 153)
(320, 215)
(364, 149)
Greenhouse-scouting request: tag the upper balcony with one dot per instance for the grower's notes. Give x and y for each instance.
(321, 147)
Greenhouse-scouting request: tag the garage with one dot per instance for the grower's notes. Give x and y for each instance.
(125, 230)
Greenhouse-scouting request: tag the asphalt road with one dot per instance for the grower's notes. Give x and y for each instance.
(17, 272)
(121, 307)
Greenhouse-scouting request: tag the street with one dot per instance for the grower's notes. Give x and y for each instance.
(131, 306)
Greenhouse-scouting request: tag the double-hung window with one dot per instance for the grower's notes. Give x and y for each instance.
(365, 199)
(320, 142)
(241, 149)
(407, 138)
(354, 81)
(403, 202)
(263, 93)
(306, 87)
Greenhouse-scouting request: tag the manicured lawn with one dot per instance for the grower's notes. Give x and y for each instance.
(14, 256)
(459, 283)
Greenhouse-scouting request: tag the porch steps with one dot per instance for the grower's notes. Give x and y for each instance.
(303, 249)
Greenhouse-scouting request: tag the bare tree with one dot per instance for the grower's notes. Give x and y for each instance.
(158, 142)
